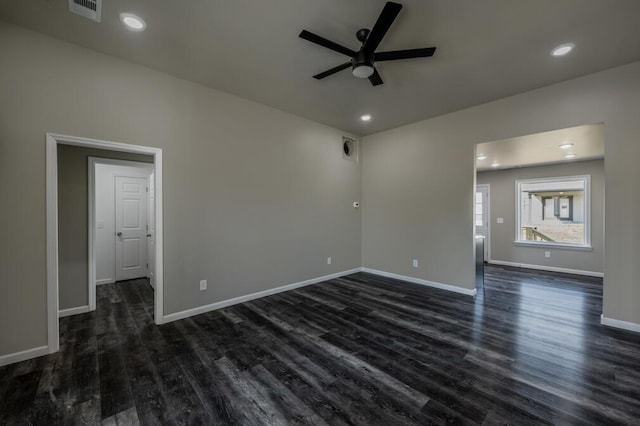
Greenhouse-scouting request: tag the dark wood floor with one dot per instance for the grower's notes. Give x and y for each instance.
(356, 350)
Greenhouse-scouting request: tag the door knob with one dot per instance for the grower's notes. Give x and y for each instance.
(148, 235)
(119, 234)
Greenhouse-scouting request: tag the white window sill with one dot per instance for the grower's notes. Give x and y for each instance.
(554, 245)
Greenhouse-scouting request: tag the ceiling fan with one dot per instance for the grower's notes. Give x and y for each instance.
(363, 61)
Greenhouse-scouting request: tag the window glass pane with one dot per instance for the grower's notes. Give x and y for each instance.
(479, 197)
(479, 209)
(479, 220)
(552, 211)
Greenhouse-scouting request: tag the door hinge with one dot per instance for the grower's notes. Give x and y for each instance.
(147, 266)
(147, 189)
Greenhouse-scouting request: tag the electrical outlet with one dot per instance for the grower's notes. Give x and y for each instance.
(415, 263)
(547, 254)
(329, 260)
(203, 285)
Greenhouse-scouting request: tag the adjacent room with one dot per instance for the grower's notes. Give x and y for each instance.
(300, 212)
(540, 200)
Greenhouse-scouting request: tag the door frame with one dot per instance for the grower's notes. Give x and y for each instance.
(487, 238)
(92, 161)
(52, 142)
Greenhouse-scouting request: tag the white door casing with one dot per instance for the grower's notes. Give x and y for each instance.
(481, 216)
(52, 142)
(151, 232)
(131, 227)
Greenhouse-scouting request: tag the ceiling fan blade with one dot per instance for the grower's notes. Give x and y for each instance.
(314, 38)
(375, 78)
(405, 54)
(386, 18)
(333, 70)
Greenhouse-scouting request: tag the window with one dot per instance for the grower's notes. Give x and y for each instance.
(479, 219)
(553, 211)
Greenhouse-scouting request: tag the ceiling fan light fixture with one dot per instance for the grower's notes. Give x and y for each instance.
(362, 71)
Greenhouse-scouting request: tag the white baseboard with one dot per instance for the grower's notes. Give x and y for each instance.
(72, 311)
(23, 355)
(448, 287)
(223, 304)
(105, 281)
(624, 325)
(547, 268)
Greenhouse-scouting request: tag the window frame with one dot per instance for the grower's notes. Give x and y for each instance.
(587, 213)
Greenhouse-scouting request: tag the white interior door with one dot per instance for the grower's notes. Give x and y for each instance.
(131, 227)
(481, 210)
(151, 233)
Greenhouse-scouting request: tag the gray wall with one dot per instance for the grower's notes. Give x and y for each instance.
(73, 193)
(254, 198)
(502, 191)
(418, 181)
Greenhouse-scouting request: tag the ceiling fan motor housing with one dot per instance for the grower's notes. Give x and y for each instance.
(362, 58)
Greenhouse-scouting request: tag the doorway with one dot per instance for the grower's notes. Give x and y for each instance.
(121, 218)
(53, 142)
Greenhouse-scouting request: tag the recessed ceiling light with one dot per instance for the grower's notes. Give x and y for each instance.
(566, 145)
(365, 117)
(495, 165)
(570, 156)
(482, 157)
(133, 22)
(563, 49)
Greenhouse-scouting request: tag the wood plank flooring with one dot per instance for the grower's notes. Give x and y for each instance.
(360, 350)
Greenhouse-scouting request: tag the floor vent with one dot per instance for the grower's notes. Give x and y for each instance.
(90, 9)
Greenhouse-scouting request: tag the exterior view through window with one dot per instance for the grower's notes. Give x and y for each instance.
(553, 211)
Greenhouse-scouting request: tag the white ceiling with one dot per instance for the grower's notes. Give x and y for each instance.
(543, 148)
(487, 49)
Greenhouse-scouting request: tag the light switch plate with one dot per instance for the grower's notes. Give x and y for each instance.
(500, 220)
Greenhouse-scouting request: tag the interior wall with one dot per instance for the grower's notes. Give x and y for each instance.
(503, 204)
(418, 181)
(254, 198)
(105, 232)
(73, 222)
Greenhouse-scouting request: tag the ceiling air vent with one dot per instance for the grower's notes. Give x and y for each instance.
(90, 9)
